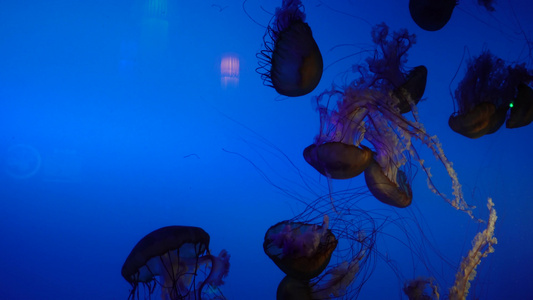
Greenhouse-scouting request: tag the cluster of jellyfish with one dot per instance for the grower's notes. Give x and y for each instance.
(492, 91)
(303, 246)
(490, 94)
(371, 125)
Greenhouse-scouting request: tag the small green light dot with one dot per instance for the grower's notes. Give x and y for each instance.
(511, 105)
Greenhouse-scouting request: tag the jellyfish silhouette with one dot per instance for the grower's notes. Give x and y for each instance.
(303, 251)
(368, 110)
(521, 109)
(300, 250)
(485, 93)
(337, 157)
(412, 90)
(179, 256)
(396, 193)
(291, 62)
(338, 160)
(431, 15)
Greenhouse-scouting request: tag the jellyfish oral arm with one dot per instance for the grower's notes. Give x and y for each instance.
(219, 269)
(340, 278)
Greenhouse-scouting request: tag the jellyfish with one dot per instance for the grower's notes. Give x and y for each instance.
(303, 250)
(339, 279)
(291, 62)
(339, 158)
(300, 250)
(521, 109)
(356, 228)
(485, 93)
(180, 257)
(421, 289)
(387, 66)
(431, 15)
(411, 91)
(367, 113)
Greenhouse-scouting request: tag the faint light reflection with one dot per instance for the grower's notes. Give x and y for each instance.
(229, 71)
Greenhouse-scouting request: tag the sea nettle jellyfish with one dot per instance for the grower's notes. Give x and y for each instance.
(433, 15)
(341, 159)
(303, 250)
(369, 110)
(486, 92)
(291, 62)
(176, 259)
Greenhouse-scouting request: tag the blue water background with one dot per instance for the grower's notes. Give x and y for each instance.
(125, 108)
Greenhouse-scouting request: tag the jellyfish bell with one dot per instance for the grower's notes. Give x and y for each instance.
(292, 62)
(388, 67)
(296, 61)
(411, 92)
(294, 289)
(334, 284)
(398, 193)
(521, 111)
(421, 288)
(483, 119)
(338, 160)
(175, 254)
(431, 15)
(300, 250)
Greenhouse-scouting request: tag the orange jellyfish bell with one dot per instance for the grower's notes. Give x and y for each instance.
(431, 15)
(338, 160)
(395, 194)
(300, 250)
(483, 119)
(291, 62)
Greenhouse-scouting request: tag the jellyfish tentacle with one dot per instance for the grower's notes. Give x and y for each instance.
(171, 257)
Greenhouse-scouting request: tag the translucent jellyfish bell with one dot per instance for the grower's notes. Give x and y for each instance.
(177, 255)
(291, 62)
(396, 193)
